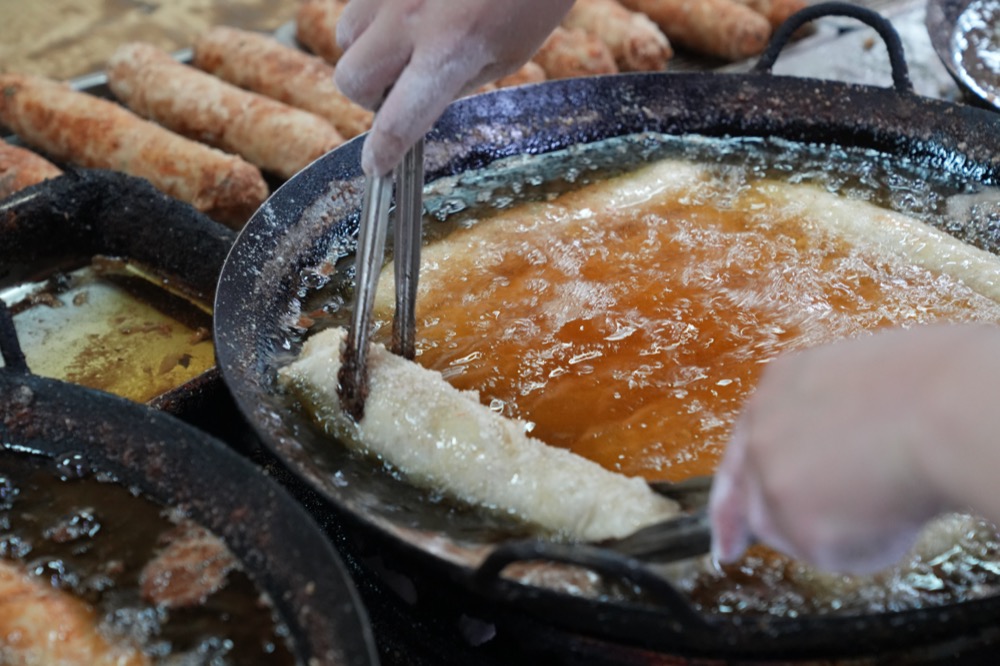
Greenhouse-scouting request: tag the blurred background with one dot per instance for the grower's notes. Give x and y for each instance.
(67, 38)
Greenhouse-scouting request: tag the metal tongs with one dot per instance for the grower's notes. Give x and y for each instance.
(409, 177)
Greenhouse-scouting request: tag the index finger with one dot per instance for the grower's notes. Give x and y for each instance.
(355, 18)
(426, 87)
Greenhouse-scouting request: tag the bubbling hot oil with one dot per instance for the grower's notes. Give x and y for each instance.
(633, 335)
(630, 325)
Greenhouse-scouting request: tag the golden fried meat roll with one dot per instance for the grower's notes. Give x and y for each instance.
(276, 137)
(529, 72)
(721, 28)
(264, 65)
(776, 11)
(40, 624)
(637, 43)
(316, 27)
(571, 53)
(92, 132)
(20, 168)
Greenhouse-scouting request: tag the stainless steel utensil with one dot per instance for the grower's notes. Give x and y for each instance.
(353, 375)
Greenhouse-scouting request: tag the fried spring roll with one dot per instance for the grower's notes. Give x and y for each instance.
(720, 28)
(637, 43)
(264, 65)
(571, 53)
(20, 168)
(529, 72)
(275, 136)
(444, 439)
(93, 132)
(316, 27)
(776, 11)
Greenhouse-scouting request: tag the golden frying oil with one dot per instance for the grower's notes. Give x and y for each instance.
(633, 334)
(112, 329)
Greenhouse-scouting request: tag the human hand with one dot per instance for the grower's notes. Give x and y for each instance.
(429, 52)
(844, 451)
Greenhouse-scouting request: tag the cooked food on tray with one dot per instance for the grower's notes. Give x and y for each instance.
(92, 573)
(20, 168)
(776, 11)
(84, 129)
(722, 28)
(264, 65)
(316, 27)
(636, 43)
(276, 137)
(529, 72)
(62, 39)
(572, 52)
(637, 32)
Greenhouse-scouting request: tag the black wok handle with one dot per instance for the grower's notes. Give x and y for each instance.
(10, 347)
(600, 560)
(900, 72)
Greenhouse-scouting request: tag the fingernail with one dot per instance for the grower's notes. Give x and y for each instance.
(368, 160)
(730, 536)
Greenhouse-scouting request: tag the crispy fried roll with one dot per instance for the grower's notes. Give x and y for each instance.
(276, 137)
(571, 53)
(443, 438)
(529, 72)
(316, 27)
(92, 132)
(637, 43)
(20, 168)
(266, 66)
(720, 28)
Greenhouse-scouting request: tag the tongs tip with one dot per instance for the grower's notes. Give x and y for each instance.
(352, 385)
(353, 374)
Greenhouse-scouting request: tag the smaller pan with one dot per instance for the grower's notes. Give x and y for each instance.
(174, 464)
(65, 221)
(963, 33)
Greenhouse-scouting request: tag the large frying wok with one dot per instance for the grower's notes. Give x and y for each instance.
(315, 215)
(174, 464)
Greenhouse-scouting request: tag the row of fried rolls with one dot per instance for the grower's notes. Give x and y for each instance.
(206, 133)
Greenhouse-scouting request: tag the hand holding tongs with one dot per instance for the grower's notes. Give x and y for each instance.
(409, 175)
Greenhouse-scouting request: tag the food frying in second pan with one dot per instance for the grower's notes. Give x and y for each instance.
(90, 573)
